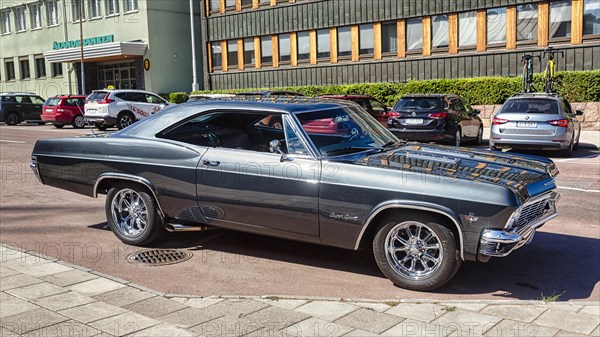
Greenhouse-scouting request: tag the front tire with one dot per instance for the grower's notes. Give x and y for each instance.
(457, 141)
(101, 127)
(58, 126)
(479, 139)
(12, 118)
(78, 122)
(415, 251)
(132, 215)
(125, 119)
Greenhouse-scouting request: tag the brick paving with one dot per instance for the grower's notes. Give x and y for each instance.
(40, 296)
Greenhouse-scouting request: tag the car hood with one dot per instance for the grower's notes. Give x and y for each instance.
(526, 176)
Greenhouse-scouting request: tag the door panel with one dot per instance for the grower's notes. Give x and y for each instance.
(258, 189)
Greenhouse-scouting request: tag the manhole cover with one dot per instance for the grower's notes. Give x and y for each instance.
(159, 257)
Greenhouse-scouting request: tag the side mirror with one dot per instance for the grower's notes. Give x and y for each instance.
(275, 147)
(476, 112)
(579, 112)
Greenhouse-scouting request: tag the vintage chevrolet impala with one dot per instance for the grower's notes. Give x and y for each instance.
(332, 176)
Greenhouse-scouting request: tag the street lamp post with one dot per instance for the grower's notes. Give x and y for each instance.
(195, 86)
(81, 45)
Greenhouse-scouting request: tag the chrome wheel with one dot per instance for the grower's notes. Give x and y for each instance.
(413, 250)
(79, 122)
(129, 213)
(125, 120)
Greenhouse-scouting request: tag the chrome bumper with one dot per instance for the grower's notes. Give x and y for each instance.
(36, 169)
(501, 242)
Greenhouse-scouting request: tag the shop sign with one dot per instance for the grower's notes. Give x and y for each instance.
(56, 45)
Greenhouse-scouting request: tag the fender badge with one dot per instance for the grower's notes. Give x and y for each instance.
(471, 217)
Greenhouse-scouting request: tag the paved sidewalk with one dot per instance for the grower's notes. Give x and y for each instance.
(40, 296)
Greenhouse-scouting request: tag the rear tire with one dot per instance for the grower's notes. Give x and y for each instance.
(12, 118)
(132, 214)
(101, 127)
(41, 123)
(568, 152)
(125, 119)
(479, 139)
(457, 140)
(78, 122)
(415, 251)
(58, 126)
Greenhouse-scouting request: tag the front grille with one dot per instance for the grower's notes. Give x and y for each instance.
(526, 132)
(533, 211)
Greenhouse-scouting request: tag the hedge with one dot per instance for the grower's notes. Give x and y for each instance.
(576, 86)
(176, 97)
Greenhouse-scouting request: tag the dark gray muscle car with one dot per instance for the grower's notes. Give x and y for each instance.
(333, 176)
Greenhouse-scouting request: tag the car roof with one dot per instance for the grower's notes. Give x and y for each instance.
(534, 95)
(68, 96)
(123, 90)
(149, 127)
(18, 93)
(429, 95)
(269, 93)
(348, 96)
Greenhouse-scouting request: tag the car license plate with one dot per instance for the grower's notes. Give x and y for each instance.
(527, 124)
(90, 111)
(49, 110)
(413, 121)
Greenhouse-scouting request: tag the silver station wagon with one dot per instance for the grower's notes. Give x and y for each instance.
(536, 122)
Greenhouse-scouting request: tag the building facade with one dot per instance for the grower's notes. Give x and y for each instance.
(270, 43)
(127, 44)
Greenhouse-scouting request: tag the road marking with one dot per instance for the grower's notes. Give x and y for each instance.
(13, 141)
(578, 189)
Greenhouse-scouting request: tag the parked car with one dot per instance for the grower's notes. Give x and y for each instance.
(200, 97)
(121, 107)
(17, 107)
(61, 110)
(373, 106)
(436, 118)
(536, 122)
(421, 208)
(269, 94)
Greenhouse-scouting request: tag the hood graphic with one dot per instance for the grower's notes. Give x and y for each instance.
(515, 172)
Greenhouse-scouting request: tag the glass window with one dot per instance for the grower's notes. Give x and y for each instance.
(246, 3)
(323, 43)
(591, 17)
(560, 19)
(214, 6)
(249, 51)
(285, 53)
(112, 7)
(131, 5)
(389, 37)
(76, 10)
(24, 67)
(366, 38)
(5, 16)
(230, 4)
(527, 22)
(266, 50)
(40, 66)
(496, 25)
(293, 142)
(303, 46)
(57, 70)
(232, 54)
(20, 19)
(344, 41)
(95, 9)
(52, 10)
(9, 69)
(36, 15)
(217, 61)
(439, 32)
(467, 29)
(264, 2)
(414, 34)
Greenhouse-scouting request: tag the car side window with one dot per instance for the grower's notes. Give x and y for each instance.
(154, 99)
(23, 99)
(293, 141)
(458, 106)
(37, 100)
(378, 107)
(123, 96)
(466, 106)
(567, 107)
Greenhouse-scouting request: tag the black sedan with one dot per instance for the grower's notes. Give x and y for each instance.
(332, 175)
(436, 118)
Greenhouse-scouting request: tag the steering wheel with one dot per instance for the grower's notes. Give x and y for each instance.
(213, 140)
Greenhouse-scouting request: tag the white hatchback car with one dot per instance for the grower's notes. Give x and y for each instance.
(110, 107)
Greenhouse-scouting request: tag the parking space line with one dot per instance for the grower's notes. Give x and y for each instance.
(13, 141)
(578, 189)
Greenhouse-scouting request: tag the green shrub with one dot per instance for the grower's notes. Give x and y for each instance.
(576, 86)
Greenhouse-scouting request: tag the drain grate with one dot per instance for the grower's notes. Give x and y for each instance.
(159, 257)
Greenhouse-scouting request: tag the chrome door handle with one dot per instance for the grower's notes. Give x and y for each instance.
(211, 163)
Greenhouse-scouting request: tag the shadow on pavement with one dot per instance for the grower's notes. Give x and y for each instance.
(551, 264)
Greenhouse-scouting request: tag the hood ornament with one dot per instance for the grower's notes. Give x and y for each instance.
(414, 114)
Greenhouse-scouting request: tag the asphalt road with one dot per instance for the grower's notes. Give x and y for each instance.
(563, 258)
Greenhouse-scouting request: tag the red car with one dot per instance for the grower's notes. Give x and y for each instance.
(61, 110)
(373, 106)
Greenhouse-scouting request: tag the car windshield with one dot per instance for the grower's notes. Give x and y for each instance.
(97, 96)
(345, 130)
(53, 101)
(419, 103)
(530, 106)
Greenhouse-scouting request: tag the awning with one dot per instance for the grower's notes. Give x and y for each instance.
(96, 52)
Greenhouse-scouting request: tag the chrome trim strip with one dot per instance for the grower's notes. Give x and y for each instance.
(551, 195)
(410, 205)
(36, 169)
(128, 177)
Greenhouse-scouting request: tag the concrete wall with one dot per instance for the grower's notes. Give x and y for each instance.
(590, 120)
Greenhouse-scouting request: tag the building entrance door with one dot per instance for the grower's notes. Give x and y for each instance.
(121, 75)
